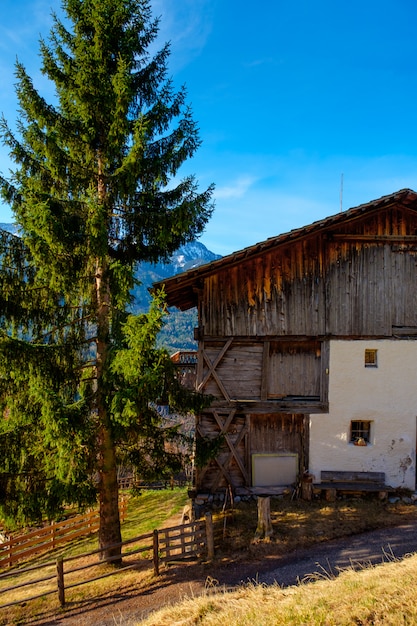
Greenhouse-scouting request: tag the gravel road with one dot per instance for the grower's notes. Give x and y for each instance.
(374, 547)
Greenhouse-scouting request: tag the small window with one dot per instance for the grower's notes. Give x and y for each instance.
(360, 432)
(371, 358)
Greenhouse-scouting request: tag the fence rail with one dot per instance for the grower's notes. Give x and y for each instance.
(194, 539)
(128, 482)
(46, 538)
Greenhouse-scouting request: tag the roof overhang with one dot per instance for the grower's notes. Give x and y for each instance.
(182, 290)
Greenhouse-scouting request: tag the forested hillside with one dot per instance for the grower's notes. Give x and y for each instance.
(179, 328)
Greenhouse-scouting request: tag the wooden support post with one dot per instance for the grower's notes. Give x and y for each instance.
(155, 553)
(331, 495)
(264, 528)
(307, 487)
(210, 536)
(306, 491)
(60, 580)
(10, 552)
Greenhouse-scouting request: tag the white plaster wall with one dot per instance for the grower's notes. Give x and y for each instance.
(386, 395)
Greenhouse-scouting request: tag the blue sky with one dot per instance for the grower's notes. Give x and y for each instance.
(288, 95)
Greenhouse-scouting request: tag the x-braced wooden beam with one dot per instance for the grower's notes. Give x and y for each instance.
(212, 370)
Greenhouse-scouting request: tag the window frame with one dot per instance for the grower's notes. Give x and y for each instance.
(360, 429)
(371, 357)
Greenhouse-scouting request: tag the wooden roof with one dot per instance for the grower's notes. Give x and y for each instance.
(181, 290)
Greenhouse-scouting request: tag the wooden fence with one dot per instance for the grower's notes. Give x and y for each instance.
(183, 541)
(128, 482)
(46, 538)
(162, 546)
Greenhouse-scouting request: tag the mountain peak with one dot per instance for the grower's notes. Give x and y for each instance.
(191, 255)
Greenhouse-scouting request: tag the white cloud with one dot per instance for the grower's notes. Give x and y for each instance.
(22, 26)
(237, 189)
(295, 191)
(258, 62)
(186, 24)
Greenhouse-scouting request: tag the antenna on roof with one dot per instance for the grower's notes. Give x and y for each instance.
(341, 192)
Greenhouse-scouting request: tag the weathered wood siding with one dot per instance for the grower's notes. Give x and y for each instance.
(244, 435)
(266, 296)
(277, 432)
(294, 370)
(358, 280)
(263, 371)
(240, 370)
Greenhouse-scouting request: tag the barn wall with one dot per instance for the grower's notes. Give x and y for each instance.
(359, 280)
(243, 435)
(275, 294)
(278, 432)
(386, 395)
(288, 372)
(240, 369)
(294, 369)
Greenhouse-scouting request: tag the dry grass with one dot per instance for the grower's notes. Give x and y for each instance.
(29, 611)
(383, 594)
(299, 524)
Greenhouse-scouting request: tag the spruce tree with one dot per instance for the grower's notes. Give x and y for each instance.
(95, 191)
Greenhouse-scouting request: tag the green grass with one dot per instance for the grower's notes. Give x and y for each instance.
(151, 510)
(145, 513)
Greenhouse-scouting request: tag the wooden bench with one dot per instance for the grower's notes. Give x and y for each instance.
(353, 482)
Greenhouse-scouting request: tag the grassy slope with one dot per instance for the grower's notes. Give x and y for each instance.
(153, 509)
(384, 594)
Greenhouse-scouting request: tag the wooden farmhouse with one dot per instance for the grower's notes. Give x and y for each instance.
(307, 343)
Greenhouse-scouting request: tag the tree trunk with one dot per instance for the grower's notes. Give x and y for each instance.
(264, 528)
(109, 529)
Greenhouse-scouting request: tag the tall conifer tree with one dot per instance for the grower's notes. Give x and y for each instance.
(94, 193)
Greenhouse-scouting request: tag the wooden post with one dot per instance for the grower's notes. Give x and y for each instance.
(155, 553)
(210, 536)
(307, 487)
(60, 580)
(182, 541)
(122, 508)
(10, 552)
(264, 528)
(331, 495)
